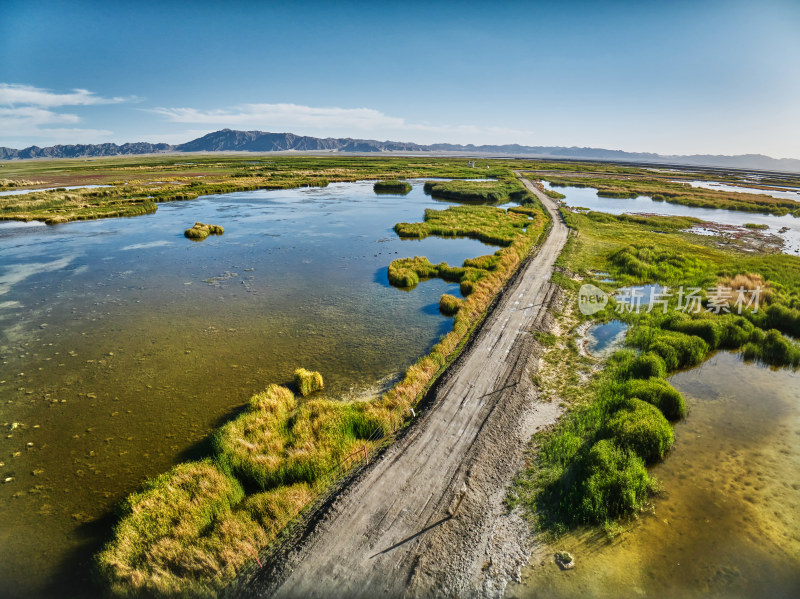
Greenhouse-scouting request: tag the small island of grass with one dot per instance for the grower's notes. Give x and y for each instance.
(307, 381)
(450, 304)
(392, 186)
(201, 230)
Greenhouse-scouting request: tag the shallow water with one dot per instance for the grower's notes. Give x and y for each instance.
(728, 521)
(718, 186)
(603, 339)
(124, 344)
(587, 197)
(15, 192)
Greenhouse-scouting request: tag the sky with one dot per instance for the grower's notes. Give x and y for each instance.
(672, 77)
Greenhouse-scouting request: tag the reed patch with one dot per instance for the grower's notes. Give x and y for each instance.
(307, 381)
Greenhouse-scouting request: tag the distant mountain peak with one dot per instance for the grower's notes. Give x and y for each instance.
(232, 140)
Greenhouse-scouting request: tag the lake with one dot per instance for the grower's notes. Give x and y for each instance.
(124, 344)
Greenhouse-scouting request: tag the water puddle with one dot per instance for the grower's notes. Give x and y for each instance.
(727, 523)
(603, 339)
(640, 295)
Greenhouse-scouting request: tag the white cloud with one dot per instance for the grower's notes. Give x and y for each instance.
(28, 112)
(297, 118)
(14, 93)
(284, 115)
(25, 117)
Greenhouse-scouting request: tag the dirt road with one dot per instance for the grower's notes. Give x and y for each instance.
(390, 534)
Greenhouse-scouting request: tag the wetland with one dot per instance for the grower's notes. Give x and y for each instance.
(125, 345)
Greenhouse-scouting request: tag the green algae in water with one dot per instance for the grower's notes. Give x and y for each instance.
(727, 523)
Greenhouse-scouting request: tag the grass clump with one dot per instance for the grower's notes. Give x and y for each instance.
(772, 348)
(641, 427)
(163, 543)
(617, 483)
(307, 381)
(407, 272)
(392, 186)
(755, 226)
(450, 304)
(283, 444)
(676, 349)
(555, 195)
(646, 366)
(778, 316)
(659, 393)
(488, 192)
(201, 230)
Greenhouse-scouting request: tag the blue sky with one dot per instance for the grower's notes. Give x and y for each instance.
(670, 77)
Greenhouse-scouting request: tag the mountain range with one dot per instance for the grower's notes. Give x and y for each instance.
(228, 140)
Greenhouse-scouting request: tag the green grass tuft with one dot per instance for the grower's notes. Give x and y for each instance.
(659, 393)
(617, 483)
(201, 230)
(449, 305)
(641, 427)
(392, 186)
(307, 381)
(488, 192)
(164, 544)
(648, 365)
(772, 348)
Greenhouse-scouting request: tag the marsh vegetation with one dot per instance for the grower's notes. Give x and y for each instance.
(507, 188)
(138, 185)
(724, 525)
(202, 230)
(273, 457)
(308, 381)
(636, 182)
(592, 468)
(392, 186)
